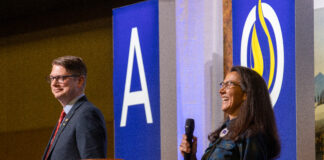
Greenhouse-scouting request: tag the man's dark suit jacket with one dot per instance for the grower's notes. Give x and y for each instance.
(82, 134)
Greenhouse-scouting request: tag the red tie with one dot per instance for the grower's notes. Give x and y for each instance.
(57, 127)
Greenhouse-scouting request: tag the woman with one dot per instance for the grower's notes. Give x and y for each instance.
(249, 130)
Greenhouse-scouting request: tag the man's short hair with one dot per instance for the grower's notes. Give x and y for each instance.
(72, 64)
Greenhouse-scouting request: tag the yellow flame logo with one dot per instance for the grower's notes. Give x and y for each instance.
(256, 49)
(260, 12)
(257, 53)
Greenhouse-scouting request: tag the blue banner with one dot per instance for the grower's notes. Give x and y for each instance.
(264, 40)
(136, 81)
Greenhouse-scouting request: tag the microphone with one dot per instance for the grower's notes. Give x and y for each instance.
(189, 128)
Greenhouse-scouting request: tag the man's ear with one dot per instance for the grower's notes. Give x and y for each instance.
(81, 81)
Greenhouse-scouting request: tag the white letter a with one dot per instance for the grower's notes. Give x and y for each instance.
(137, 97)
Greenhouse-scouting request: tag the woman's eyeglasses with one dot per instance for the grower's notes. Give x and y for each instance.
(229, 84)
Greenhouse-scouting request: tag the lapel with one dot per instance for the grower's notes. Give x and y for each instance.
(49, 142)
(66, 120)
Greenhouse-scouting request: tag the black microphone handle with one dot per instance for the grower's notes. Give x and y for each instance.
(187, 156)
(189, 128)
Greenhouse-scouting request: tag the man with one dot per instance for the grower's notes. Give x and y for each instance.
(80, 132)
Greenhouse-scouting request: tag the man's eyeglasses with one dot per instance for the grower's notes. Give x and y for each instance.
(59, 79)
(229, 84)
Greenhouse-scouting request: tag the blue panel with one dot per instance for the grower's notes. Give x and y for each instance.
(138, 140)
(279, 16)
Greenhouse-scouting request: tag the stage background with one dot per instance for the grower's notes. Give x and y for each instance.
(33, 33)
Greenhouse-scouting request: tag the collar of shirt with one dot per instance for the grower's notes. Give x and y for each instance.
(69, 106)
(228, 122)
